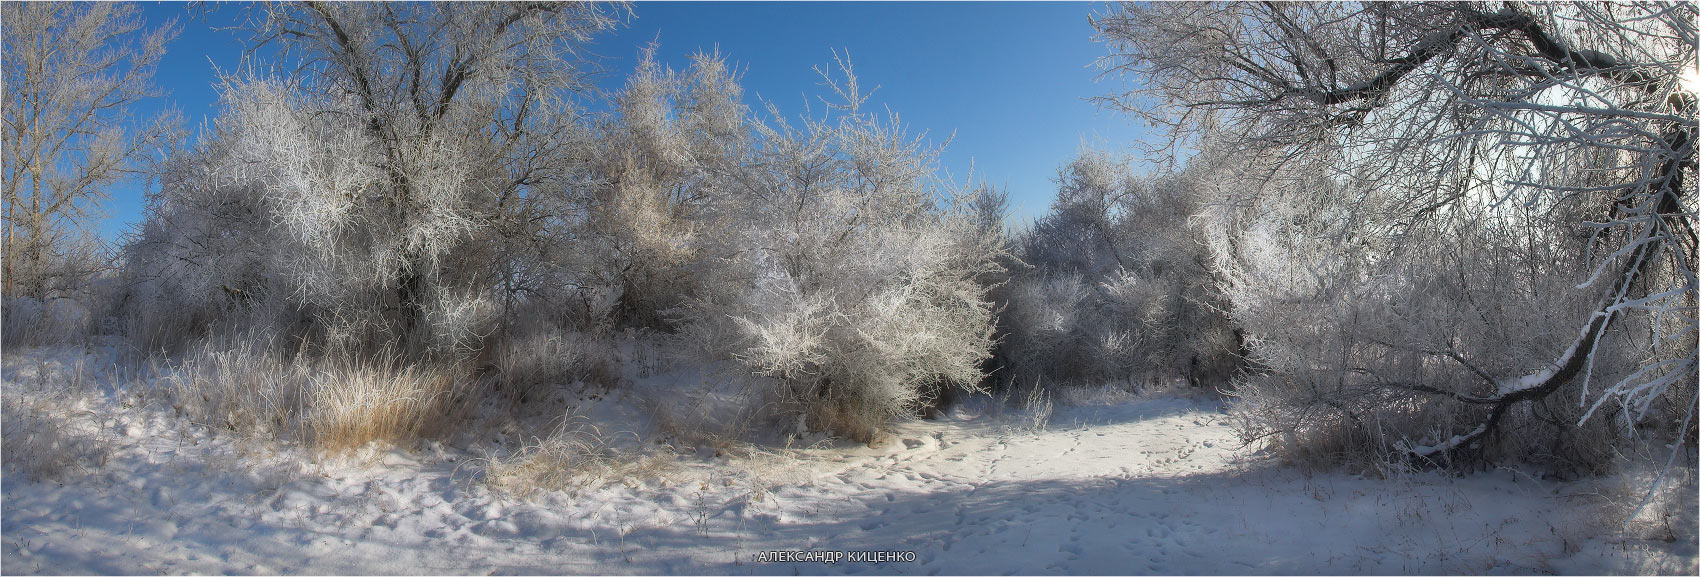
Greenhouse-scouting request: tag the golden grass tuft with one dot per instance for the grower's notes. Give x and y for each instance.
(352, 405)
(251, 389)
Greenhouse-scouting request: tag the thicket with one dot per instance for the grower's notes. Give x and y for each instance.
(1458, 233)
(1437, 251)
(448, 209)
(1117, 286)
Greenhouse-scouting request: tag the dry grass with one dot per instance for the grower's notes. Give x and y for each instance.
(528, 366)
(247, 388)
(40, 436)
(762, 470)
(576, 456)
(31, 322)
(39, 442)
(251, 389)
(352, 405)
(1025, 406)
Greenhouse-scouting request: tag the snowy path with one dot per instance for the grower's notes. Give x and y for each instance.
(1148, 486)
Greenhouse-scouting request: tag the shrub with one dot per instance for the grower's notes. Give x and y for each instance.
(379, 199)
(660, 176)
(1119, 286)
(848, 280)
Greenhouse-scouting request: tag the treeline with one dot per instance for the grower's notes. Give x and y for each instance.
(1387, 247)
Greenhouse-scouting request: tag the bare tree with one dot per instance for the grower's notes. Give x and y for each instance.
(1424, 125)
(73, 71)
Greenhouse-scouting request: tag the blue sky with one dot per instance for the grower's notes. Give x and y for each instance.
(1008, 79)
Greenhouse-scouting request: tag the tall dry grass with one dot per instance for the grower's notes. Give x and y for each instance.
(33, 322)
(529, 368)
(351, 405)
(242, 385)
(246, 385)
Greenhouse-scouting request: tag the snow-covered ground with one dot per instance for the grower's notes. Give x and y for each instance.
(1118, 485)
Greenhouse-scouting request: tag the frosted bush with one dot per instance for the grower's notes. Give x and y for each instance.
(848, 282)
(1120, 287)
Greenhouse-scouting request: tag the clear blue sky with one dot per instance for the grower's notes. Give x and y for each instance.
(1008, 79)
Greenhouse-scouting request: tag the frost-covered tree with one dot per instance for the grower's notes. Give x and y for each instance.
(845, 276)
(1119, 287)
(1447, 216)
(397, 192)
(73, 71)
(663, 165)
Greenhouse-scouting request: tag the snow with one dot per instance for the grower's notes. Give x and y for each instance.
(1509, 386)
(1535, 379)
(1450, 444)
(1112, 484)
